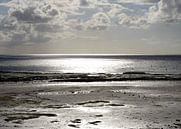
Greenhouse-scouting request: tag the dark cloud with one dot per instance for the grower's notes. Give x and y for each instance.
(34, 14)
(84, 3)
(47, 27)
(7, 24)
(29, 15)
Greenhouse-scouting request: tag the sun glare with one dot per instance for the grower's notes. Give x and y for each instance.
(88, 65)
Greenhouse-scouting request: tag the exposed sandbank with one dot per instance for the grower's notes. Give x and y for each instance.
(102, 107)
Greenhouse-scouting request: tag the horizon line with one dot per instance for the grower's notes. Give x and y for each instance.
(90, 54)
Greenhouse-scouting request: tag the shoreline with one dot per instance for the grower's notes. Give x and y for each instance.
(86, 77)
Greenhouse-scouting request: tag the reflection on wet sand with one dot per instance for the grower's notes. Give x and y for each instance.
(91, 107)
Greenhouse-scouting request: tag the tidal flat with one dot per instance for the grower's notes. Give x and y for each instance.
(100, 105)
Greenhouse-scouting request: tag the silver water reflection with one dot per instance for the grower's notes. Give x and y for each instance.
(66, 65)
(105, 64)
(84, 65)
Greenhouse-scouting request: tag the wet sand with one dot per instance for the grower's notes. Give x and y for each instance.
(85, 77)
(91, 107)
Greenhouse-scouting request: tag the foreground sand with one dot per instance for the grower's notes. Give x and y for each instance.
(91, 107)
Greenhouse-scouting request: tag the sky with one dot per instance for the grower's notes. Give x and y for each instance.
(90, 27)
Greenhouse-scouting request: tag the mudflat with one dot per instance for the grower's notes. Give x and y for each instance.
(91, 107)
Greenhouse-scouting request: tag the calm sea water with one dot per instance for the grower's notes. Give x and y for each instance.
(91, 64)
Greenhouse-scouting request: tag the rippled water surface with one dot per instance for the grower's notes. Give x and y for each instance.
(91, 64)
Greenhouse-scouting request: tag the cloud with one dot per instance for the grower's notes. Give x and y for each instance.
(99, 21)
(21, 34)
(36, 21)
(136, 22)
(84, 3)
(165, 11)
(115, 10)
(7, 24)
(47, 27)
(41, 20)
(30, 21)
(139, 2)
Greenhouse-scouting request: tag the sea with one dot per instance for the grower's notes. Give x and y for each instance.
(113, 64)
(91, 70)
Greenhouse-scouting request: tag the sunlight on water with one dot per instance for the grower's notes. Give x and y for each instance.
(87, 65)
(61, 64)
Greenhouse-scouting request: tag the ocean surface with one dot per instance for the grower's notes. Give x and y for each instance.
(109, 64)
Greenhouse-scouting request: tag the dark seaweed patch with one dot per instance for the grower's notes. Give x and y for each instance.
(93, 102)
(76, 121)
(113, 104)
(18, 117)
(74, 126)
(94, 122)
(57, 106)
(99, 115)
(80, 77)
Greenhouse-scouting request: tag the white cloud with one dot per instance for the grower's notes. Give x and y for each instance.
(115, 10)
(165, 11)
(39, 20)
(140, 2)
(31, 21)
(42, 20)
(136, 22)
(99, 21)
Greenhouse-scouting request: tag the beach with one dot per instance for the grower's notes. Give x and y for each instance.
(90, 64)
(90, 106)
(90, 92)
